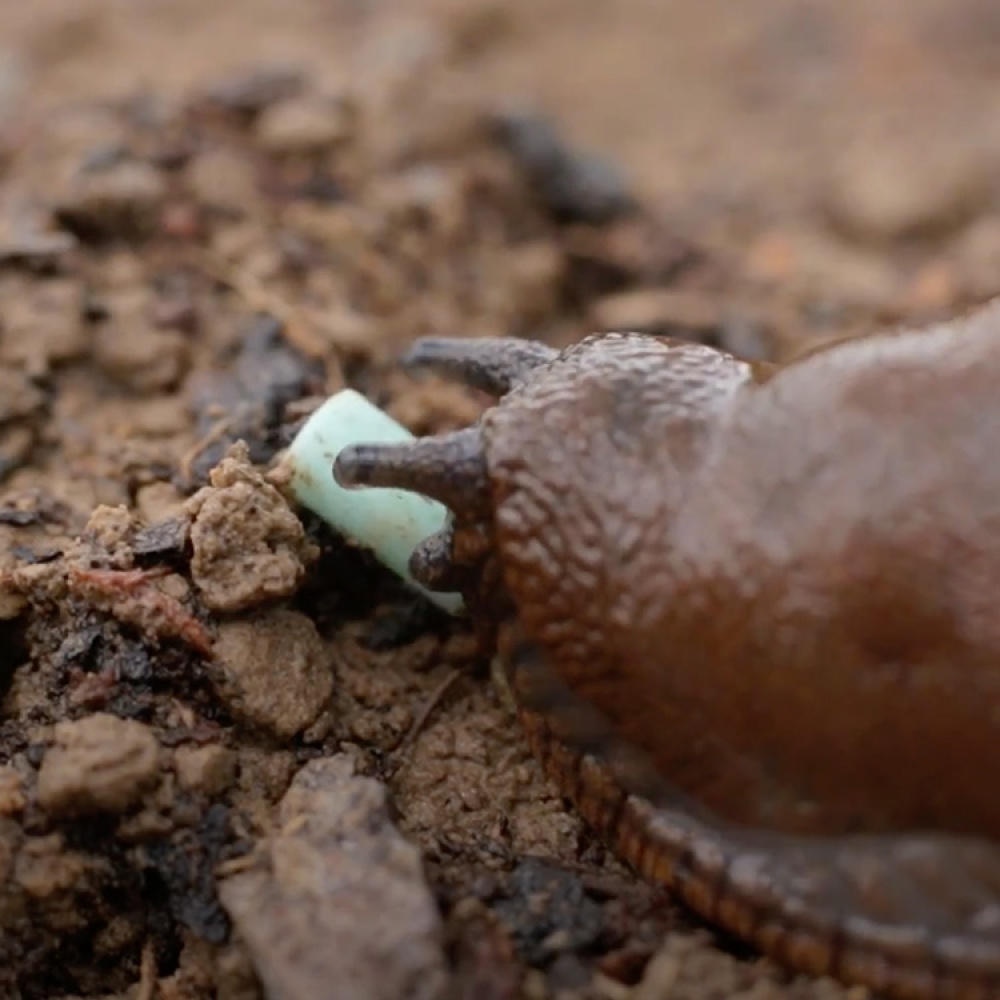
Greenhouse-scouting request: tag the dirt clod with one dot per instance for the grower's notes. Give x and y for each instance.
(883, 190)
(250, 91)
(12, 798)
(274, 671)
(248, 545)
(41, 323)
(99, 763)
(573, 185)
(120, 199)
(210, 769)
(339, 871)
(223, 181)
(19, 397)
(132, 350)
(548, 912)
(303, 126)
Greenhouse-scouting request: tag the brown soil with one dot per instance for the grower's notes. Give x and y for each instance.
(234, 755)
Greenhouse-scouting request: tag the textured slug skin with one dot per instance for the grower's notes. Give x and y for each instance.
(781, 588)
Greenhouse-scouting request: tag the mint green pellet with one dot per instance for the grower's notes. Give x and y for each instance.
(388, 522)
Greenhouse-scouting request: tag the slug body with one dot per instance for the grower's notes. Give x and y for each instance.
(748, 617)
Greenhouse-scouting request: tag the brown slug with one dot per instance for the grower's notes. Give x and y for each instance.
(748, 614)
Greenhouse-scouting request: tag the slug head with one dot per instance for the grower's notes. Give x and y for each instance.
(561, 497)
(453, 469)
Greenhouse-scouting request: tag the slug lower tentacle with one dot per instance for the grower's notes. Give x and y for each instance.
(432, 565)
(750, 625)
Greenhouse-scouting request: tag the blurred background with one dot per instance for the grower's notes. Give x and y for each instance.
(826, 139)
(704, 99)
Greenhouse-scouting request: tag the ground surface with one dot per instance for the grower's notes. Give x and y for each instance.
(211, 215)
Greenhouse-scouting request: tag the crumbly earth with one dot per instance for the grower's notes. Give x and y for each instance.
(219, 723)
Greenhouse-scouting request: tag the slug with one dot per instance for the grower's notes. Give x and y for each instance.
(748, 616)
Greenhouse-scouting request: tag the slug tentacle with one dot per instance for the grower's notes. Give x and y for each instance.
(432, 565)
(493, 364)
(450, 468)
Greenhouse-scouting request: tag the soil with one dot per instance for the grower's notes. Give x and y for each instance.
(237, 759)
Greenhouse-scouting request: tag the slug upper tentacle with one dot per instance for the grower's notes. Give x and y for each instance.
(751, 624)
(450, 468)
(493, 364)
